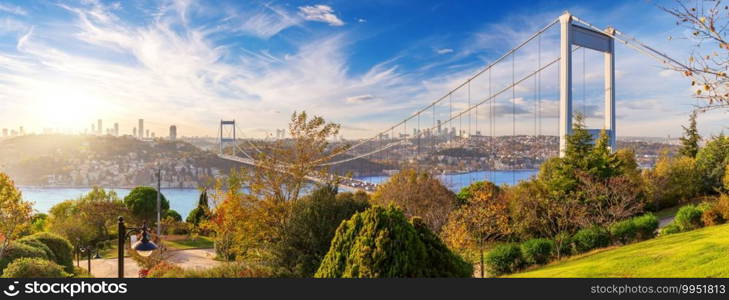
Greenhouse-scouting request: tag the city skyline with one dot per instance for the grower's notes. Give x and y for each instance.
(191, 64)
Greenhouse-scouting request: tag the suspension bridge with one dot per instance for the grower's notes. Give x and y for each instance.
(473, 127)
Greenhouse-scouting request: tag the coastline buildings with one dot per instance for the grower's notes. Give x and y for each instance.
(141, 128)
(173, 132)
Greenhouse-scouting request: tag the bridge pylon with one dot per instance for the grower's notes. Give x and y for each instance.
(573, 34)
(227, 135)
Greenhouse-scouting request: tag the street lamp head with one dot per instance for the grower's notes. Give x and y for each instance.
(144, 247)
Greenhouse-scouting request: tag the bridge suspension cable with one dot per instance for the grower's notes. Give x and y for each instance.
(449, 96)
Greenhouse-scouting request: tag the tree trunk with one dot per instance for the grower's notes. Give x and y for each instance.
(481, 249)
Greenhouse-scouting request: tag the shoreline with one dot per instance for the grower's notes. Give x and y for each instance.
(90, 187)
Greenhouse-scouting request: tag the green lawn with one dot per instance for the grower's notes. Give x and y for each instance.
(699, 253)
(201, 242)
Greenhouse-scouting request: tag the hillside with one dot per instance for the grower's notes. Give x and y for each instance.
(86, 160)
(698, 253)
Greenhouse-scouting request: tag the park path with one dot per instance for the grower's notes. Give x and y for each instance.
(192, 258)
(665, 221)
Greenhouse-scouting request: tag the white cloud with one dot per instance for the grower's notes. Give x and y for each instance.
(265, 22)
(16, 10)
(320, 13)
(444, 51)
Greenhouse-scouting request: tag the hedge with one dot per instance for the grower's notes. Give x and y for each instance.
(624, 232)
(33, 267)
(537, 251)
(590, 238)
(504, 259)
(688, 218)
(16, 250)
(61, 248)
(646, 226)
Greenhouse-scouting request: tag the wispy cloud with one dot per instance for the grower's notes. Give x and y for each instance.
(16, 10)
(320, 13)
(444, 51)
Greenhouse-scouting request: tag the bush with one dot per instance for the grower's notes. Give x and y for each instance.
(28, 267)
(670, 229)
(711, 217)
(16, 250)
(38, 244)
(62, 249)
(380, 242)
(646, 226)
(722, 206)
(590, 238)
(224, 270)
(164, 270)
(537, 251)
(504, 259)
(688, 218)
(624, 232)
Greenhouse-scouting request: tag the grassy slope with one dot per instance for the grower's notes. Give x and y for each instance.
(698, 253)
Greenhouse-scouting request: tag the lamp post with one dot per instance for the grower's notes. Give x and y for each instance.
(159, 186)
(144, 247)
(88, 250)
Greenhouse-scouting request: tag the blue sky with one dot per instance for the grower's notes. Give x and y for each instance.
(364, 64)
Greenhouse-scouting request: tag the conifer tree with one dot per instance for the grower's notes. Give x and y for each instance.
(690, 139)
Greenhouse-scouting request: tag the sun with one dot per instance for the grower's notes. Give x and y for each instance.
(67, 107)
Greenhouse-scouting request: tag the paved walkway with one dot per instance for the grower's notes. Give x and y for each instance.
(193, 258)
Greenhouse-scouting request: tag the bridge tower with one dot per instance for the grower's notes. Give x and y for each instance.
(227, 134)
(572, 34)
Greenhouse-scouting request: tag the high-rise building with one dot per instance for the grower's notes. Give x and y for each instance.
(173, 133)
(22, 132)
(153, 134)
(116, 129)
(93, 128)
(5, 132)
(141, 128)
(99, 128)
(134, 132)
(147, 133)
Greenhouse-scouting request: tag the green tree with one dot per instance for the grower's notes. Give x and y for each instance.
(173, 215)
(711, 161)
(381, 242)
(202, 211)
(142, 203)
(690, 139)
(418, 194)
(310, 228)
(14, 212)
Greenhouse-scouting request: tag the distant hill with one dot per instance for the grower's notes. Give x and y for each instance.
(85, 160)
